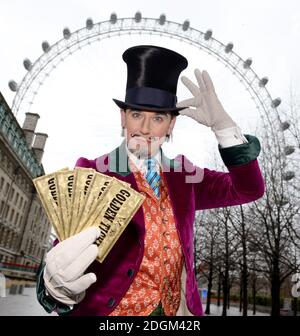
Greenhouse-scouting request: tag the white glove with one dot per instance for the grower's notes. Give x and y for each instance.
(206, 107)
(66, 263)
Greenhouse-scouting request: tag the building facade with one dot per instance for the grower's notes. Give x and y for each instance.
(24, 227)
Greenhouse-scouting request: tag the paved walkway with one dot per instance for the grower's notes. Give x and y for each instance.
(26, 304)
(233, 311)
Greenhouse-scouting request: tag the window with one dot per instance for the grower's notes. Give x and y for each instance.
(17, 218)
(11, 215)
(21, 202)
(6, 211)
(6, 188)
(17, 198)
(11, 194)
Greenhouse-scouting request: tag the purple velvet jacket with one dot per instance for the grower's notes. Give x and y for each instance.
(190, 188)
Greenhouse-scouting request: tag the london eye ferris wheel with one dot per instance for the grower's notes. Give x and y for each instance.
(161, 29)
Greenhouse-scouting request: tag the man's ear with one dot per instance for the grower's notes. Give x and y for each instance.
(172, 124)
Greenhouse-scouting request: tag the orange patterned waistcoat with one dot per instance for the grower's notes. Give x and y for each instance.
(158, 279)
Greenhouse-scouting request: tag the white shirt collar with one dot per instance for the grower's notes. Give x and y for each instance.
(141, 163)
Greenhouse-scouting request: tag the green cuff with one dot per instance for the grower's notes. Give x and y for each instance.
(48, 303)
(241, 154)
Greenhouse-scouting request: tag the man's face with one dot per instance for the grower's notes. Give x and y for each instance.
(146, 131)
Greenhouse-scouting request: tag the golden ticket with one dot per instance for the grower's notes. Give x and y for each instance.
(47, 190)
(122, 203)
(94, 201)
(83, 183)
(66, 181)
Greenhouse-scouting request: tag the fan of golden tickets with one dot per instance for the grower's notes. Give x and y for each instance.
(77, 199)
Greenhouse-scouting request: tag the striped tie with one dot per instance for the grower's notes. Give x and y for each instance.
(153, 177)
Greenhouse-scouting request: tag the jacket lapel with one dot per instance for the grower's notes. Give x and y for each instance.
(118, 166)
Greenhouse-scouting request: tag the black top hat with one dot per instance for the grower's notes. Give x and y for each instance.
(152, 76)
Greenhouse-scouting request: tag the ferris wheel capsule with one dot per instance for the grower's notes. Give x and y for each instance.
(208, 34)
(247, 63)
(13, 85)
(66, 33)
(263, 81)
(285, 125)
(89, 23)
(113, 18)
(138, 17)
(162, 19)
(276, 102)
(186, 25)
(289, 175)
(45, 46)
(27, 64)
(229, 47)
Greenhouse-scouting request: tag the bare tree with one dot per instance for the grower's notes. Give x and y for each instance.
(209, 258)
(228, 246)
(241, 226)
(276, 233)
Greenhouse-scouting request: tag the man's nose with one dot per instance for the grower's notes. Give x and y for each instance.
(145, 127)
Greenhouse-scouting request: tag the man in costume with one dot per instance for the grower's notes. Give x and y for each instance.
(150, 270)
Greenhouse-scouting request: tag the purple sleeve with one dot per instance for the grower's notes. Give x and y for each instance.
(85, 163)
(242, 184)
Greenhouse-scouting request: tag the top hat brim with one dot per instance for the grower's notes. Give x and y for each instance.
(125, 106)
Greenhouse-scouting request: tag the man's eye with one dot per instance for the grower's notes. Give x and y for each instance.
(136, 114)
(158, 119)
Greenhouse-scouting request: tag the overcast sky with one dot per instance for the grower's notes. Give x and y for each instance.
(75, 103)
